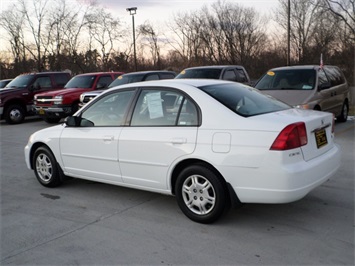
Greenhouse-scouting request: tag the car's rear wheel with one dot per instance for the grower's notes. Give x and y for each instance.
(46, 168)
(201, 194)
(14, 114)
(344, 113)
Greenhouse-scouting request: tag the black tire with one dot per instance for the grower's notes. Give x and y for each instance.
(201, 194)
(52, 120)
(14, 114)
(46, 168)
(344, 113)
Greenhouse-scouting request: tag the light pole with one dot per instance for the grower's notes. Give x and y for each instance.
(132, 11)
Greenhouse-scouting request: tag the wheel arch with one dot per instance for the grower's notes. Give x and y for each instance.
(232, 196)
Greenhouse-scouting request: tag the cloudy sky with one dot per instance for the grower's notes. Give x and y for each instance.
(160, 11)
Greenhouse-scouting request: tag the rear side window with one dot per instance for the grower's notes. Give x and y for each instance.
(160, 107)
(334, 75)
(244, 100)
(104, 81)
(61, 79)
(206, 73)
(241, 76)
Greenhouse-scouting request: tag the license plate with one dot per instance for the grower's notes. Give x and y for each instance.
(41, 111)
(321, 138)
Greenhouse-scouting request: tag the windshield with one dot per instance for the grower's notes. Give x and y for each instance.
(206, 73)
(125, 79)
(288, 79)
(20, 81)
(244, 100)
(81, 82)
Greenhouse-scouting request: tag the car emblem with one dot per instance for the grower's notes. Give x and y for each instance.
(322, 122)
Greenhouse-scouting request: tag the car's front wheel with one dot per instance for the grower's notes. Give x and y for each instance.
(14, 114)
(46, 168)
(201, 194)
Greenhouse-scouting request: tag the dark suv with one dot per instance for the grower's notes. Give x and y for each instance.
(16, 99)
(129, 78)
(228, 72)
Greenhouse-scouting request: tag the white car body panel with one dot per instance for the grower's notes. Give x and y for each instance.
(145, 157)
(237, 147)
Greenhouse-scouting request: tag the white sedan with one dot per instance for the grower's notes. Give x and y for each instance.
(210, 143)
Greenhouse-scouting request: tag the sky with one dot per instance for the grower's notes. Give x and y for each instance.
(161, 11)
(157, 12)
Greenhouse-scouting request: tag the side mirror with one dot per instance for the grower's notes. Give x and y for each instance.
(73, 121)
(324, 86)
(77, 121)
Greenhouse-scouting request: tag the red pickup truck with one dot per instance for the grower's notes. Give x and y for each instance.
(55, 105)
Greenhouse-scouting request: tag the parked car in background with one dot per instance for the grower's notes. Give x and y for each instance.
(129, 78)
(309, 87)
(210, 143)
(229, 72)
(4, 82)
(53, 106)
(17, 97)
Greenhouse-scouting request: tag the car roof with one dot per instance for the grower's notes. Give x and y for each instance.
(214, 67)
(100, 73)
(148, 72)
(174, 82)
(297, 67)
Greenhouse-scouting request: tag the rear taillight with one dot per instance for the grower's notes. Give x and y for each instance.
(291, 137)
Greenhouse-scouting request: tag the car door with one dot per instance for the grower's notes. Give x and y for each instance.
(163, 128)
(90, 150)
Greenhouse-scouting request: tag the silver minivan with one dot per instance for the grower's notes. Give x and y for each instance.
(321, 88)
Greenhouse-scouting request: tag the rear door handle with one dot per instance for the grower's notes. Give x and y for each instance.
(179, 140)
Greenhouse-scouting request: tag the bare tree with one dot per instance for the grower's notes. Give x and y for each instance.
(345, 10)
(104, 29)
(150, 36)
(13, 23)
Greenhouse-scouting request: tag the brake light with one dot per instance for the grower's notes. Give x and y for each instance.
(291, 137)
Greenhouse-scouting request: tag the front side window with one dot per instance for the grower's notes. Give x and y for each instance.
(81, 82)
(164, 108)
(110, 110)
(206, 73)
(244, 100)
(288, 79)
(61, 79)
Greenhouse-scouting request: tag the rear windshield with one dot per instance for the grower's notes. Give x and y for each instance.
(81, 82)
(125, 79)
(207, 73)
(20, 81)
(290, 79)
(244, 100)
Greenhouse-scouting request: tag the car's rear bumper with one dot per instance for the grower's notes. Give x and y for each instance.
(288, 183)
